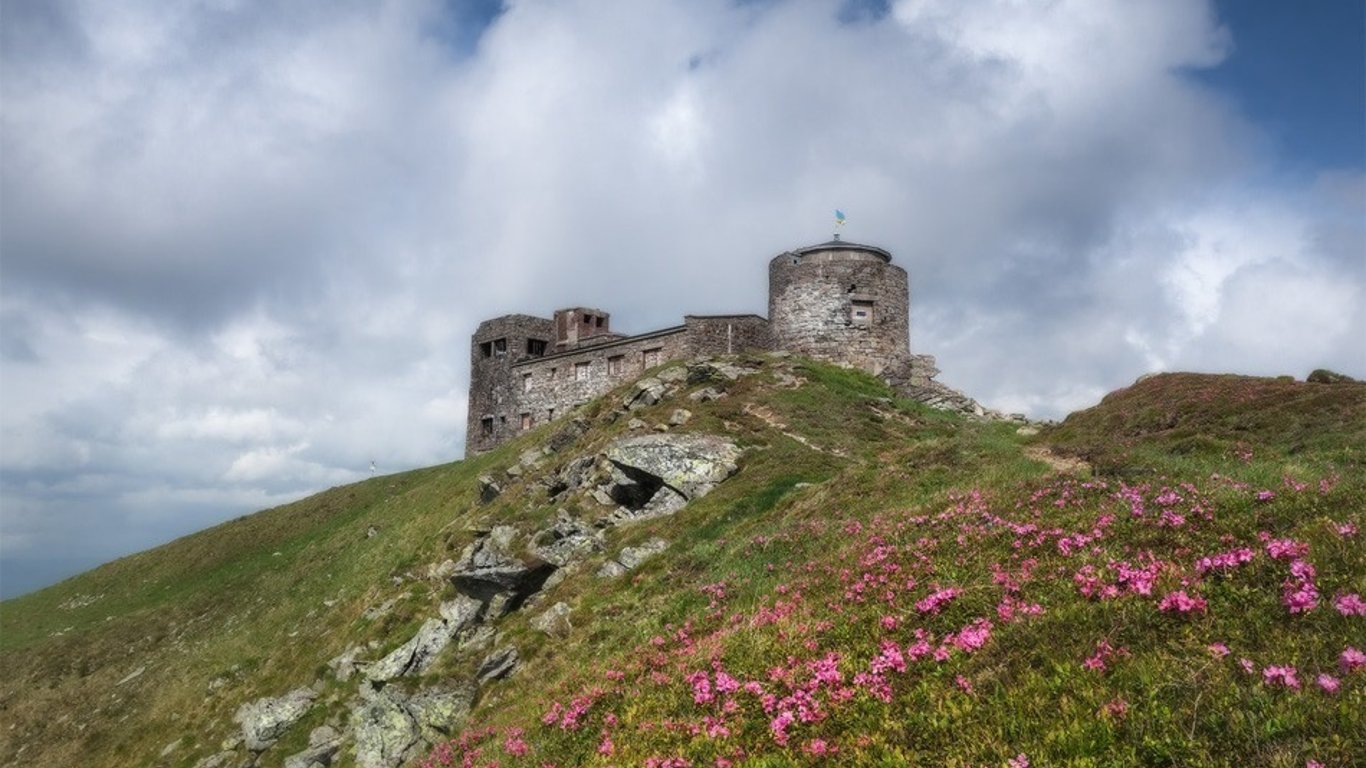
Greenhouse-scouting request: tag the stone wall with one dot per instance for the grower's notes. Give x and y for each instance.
(816, 296)
(726, 334)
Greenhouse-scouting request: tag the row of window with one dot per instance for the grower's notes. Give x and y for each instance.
(528, 421)
(499, 347)
(616, 366)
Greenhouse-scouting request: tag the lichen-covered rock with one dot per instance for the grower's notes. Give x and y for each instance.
(680, 416)
(489, 489)
(414, 656)
(438, 712)
(344, 665)
(611, 569)
(554, 621)
(690, 464)
(460, 613)
(217, 760)
(566, 541)
(263, 721)
(498, 665)
(321, 752)
(384, 731)
(487, 567)
(632, 557)
(646, 392)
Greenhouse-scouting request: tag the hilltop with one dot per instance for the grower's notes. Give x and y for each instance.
(756, 560)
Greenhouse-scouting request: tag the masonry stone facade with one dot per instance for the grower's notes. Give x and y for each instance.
(839, 302)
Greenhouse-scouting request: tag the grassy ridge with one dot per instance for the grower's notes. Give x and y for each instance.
(850, 509)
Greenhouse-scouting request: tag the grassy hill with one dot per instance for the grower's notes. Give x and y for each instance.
(1164, 579)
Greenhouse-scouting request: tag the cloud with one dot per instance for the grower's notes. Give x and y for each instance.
(244, 246)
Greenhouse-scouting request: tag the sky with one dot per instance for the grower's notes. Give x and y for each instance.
(243, 245)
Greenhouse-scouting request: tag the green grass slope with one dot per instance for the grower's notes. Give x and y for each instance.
(879, 584)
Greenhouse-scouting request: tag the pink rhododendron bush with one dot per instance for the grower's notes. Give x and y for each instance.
(1056, 620)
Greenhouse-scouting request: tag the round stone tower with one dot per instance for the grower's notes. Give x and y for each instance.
(840, 302)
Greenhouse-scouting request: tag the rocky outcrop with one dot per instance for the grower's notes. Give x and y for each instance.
(438, 712)
(265, 720)
(384, 731)
(566, 541)
(690, 465)
(487, 570)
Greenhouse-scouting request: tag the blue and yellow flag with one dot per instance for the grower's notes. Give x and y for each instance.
(839, 217)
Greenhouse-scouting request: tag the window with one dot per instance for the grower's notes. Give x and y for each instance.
(861, 312)
(581, 371)
(487, 348)
(535, 347)
(614, 365)
(526, 382)
(598, 321)
(553, 373)
(650, 357)
(486, 426)
(526, 421)
(503, 421)
(550, 414)
(495, 348)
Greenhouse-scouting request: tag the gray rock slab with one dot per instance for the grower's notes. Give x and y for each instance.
(383, 730)
(498, 665)
(263, 721)
(414, 656)
(690, 464)
(554, 621)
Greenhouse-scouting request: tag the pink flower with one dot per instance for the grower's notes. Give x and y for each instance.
(1265, 495)
(937, 599)
(1345, 529)
(1281, 676)
(1218, 650)
(816, 748)
(1351, 659)
(1327, 682)
(963, 683)
(1350, 605)
(1312, 764)
(973, 636)
(1115, 708)
(1299, 596)
(780, 724)
(606, 747)
(1018, 761)
(1247, 666)
(514, 744)
(1180, 602)
(1286, 549)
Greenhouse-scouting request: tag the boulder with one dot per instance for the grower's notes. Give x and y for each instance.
(680, 416)
(646, 392)
(632, 557)
(414, 656)
(1325, 376)
(344, 665)
(487, 568)
(439, 712)
(707, 394)
(673, 375)
(384, 731)
(498, 665)
(716, 370)
(566, 541)
(690, 464)
(460, 613)
(489, 489)
(566, 436)
(611, 569)
(554, 621)
(263, 721)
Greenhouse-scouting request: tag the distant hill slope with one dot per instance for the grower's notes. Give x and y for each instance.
(862, 580)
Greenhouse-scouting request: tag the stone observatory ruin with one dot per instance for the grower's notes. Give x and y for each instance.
(838, 302)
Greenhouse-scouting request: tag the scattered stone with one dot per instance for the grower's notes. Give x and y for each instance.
(1027, 431)
(489, 489)
(680, 416)
(554, 621)
(322, 749)
(716, 370)
(707, 394)
(169, 748)
(566, 436)
(460, 613)
(377, 611)
(487, 568)
(531, 458)
(611, 569)
(514, 471)
(441, 571)
(632, 557)
(481, 638)
(787, 381)
(344, 665)
(265, 720)
(673, 375)
(218, 760)
(646, 392)
(131, 676)
(635, 425)
(371, 532)
(601, 496)
(383, 730)
(498, 665)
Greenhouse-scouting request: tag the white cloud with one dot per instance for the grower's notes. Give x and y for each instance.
(245, 245)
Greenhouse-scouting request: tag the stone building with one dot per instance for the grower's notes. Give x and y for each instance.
(838, 302)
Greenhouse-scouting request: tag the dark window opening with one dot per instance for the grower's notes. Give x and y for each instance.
(486, 426)
(535, 347)
(550, 414)
(614, 365)
(852, 288)
(861, 312)
(597, 321)
(526, 421)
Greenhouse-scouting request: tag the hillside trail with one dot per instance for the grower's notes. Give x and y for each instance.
(1067, 464)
